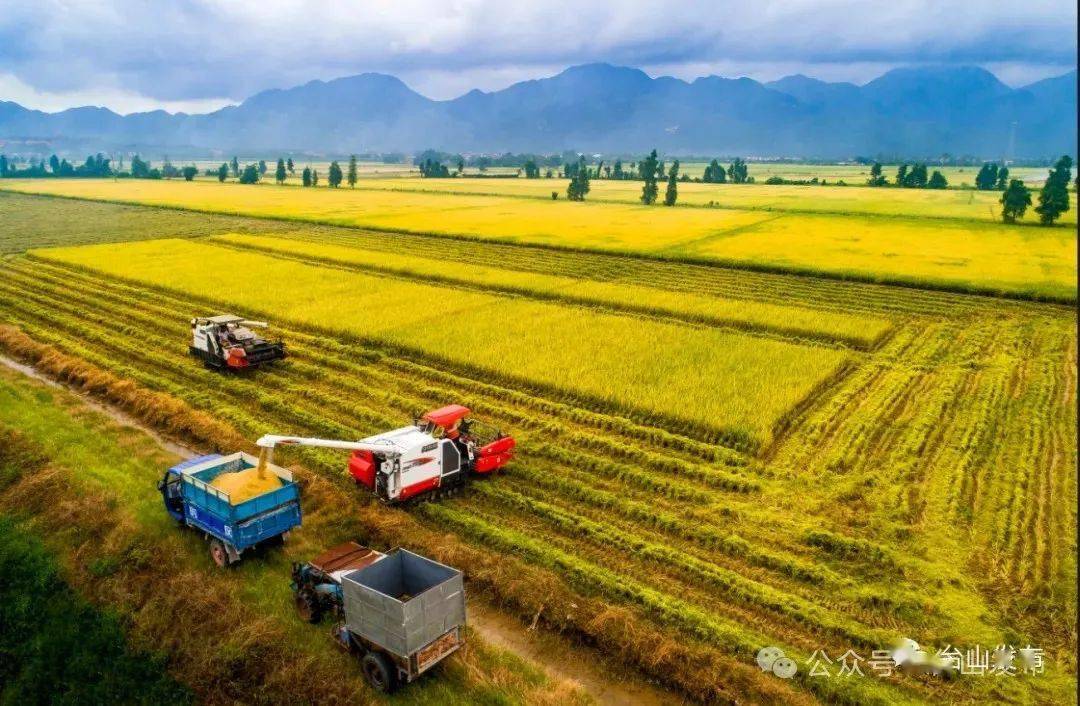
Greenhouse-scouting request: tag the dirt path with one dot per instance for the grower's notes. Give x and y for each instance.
(556, 656)
(582, 665)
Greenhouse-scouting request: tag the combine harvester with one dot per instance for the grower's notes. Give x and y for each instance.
(239, 501)
(227, 342)
(236, 501)
(434, 457)
(399, 612)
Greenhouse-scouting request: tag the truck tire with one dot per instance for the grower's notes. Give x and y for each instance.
(218, 553)
(307, 606)
(379, 672)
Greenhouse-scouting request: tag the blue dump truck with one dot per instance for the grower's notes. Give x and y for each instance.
(230, 528)
(401, 613)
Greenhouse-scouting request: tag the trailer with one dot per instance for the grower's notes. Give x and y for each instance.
(401, 613)
(230, 529)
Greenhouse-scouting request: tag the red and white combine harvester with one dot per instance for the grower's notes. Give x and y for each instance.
(434, 456)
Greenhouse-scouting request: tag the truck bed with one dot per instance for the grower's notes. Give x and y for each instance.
(404, 603)
(245, 524)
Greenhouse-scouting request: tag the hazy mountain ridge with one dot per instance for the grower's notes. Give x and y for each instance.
(915, 112)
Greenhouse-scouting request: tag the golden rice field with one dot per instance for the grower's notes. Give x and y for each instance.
(914, 203)
(741, 387)
(916, 481)
(963, 255)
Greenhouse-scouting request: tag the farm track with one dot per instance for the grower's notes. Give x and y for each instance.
(924, 447)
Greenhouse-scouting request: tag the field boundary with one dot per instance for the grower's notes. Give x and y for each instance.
(717, 262)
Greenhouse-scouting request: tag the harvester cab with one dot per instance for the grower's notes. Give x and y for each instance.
(227, 342)
(435, 456)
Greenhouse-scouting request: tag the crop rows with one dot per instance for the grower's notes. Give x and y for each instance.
(641, 515)
(609, 362)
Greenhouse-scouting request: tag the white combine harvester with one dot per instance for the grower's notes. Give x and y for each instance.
(226, 342)
(435, 456)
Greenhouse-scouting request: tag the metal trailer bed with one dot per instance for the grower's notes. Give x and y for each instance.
(406, 613)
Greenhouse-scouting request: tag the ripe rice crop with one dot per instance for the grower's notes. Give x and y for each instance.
(967, 204)
(798, 322)
(742, 385)
(928, 492)
(1024, 261)
(808, 547)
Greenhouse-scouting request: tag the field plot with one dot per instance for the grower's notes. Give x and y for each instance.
(624, 362)
(913, 203)
(1025, 261)
(925, 491)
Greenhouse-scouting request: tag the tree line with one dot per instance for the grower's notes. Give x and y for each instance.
(913, 176)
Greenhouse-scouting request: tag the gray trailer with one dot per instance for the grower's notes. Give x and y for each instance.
(403, 615)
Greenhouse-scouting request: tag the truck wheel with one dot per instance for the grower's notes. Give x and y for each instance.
(379, 672)
(307, 606)
(218, 553)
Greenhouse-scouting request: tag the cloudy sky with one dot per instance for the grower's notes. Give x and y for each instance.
(197, 55)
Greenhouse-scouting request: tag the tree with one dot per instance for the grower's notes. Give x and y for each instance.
(1054, 197)
(987, 177)
(352, 171)
(279, 173)
(672, 193)
(262, 167)
(1015, 201)
(648, 168)
(290, 166)
(460, 165)
(1002, 178)
(617, 173)
(250, 175)
(305, 177)
(738, 171)
(876, 177)
(333, 179)
(314, 177)
(54, 164)
(189, 172)
(4, 165)
(235, 167)
(901, 175)
(531, 170)
(139, 168)
(223, 172)
(937, 181)
(579, 183)
(714, 173)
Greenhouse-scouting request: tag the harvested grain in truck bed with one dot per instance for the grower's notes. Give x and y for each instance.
(246, 484)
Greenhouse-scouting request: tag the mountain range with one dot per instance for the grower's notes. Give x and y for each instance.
(908, 112)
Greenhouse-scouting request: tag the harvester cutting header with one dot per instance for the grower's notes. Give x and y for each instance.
(436, 455)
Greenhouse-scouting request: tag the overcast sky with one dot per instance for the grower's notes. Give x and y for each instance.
(197, 55)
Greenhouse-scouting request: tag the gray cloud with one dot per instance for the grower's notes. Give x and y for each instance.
(196, 52)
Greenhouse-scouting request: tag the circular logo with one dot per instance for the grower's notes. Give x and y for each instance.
(785, 667)
(766, 656)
